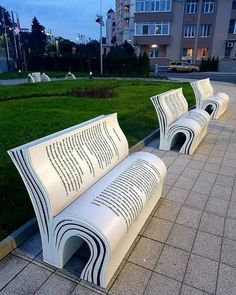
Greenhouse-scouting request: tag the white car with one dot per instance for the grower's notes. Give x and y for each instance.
(182, 66)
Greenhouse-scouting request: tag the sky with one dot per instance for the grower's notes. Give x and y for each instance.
(65, 18)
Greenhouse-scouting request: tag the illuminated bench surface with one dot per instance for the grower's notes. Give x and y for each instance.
(214, 103)
(85, 187)
(178, 126)
(37, 77)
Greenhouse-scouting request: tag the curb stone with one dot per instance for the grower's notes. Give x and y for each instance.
(11, 242)
(141, 144)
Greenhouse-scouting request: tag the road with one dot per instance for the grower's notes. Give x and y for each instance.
(214, 76)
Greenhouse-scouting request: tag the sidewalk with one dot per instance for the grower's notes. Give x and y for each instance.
(21, 81)
(188, 245)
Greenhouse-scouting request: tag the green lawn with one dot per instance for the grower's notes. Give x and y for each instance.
(30, 111)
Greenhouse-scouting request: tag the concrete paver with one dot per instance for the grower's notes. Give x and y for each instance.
(172, 263)
(146, 253)
(202, 273)
(188, 244)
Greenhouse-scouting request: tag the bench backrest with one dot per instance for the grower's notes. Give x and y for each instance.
(36, 76)
(202, 90)
(30, 79)
(70, 76)
(68, 162)
(169, 106)
(45, 78)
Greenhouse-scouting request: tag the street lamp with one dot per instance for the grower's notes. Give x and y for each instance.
(101, 23)
(49, 35)
(6, 40)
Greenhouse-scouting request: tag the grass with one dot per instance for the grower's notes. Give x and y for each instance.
(30, 111)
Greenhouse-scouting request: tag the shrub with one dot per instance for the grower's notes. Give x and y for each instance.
(209, 64)
(93, 92)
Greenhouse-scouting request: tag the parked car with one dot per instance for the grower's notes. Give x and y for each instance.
(182, 66)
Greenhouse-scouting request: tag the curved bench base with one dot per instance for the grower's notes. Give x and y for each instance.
(193, 125)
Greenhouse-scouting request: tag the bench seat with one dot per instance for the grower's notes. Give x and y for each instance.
(175, 121)
(214, 103)
(107, 241)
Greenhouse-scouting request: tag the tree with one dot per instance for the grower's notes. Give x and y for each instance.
(129, 49)
(144, 64)
(37, 38)
(65, 46)
(6, 26)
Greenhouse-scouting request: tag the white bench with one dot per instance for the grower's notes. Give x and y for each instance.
(85, 187)
(45, 78)
(214, 103)
(177, 124)
(37, 77)
(70, 76)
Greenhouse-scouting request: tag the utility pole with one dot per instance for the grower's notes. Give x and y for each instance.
(6, 40)
(101, 61)
(197, 32)
(101, 23)
(21, 49)
(14, 37)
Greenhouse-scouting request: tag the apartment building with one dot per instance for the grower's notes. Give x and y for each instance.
(179, 29)
(125, 21)
(110, 26)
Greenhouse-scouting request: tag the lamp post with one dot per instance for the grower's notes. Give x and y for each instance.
(101, 23)
(6, 40)
(101, 61)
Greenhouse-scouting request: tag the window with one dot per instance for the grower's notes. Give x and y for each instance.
(189, 31)
(152, 28)
(234, 4)
(188, 52)
(160, 5)
(142, 5)
(232, 26)
(202, 53)
(205, 31)
(191, 6)
(126, 22)
(153, 5)
(126, 8)
(208, 6)
(153, 53)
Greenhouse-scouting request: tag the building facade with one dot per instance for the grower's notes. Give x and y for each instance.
(110, 26)
(125, 21)
(178, 29)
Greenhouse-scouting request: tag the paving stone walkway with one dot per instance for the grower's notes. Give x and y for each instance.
(187, 246)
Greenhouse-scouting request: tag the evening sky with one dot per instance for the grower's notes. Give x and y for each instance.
(65, 18)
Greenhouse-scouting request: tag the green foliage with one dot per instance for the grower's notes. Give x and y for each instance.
(37, 38)
(144, 64)
(122, 60)
(209, 64)
(33, 116)
(6, 23)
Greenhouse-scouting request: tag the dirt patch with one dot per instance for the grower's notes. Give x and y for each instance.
(93, 92)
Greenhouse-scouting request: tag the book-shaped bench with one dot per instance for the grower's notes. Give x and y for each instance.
(85, 187)
(70, 76)
(45, 78)
(214, 103)
(34, 77)
(37, 77)
(178, 126)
